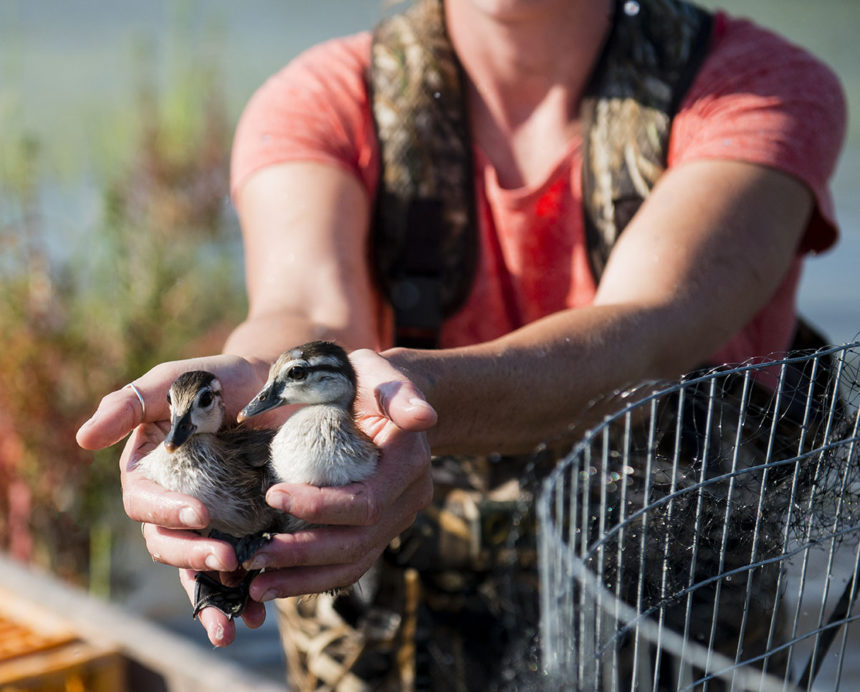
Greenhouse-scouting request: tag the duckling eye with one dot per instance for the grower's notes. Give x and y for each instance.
(297, 372)
(205, 399)
(169, 402)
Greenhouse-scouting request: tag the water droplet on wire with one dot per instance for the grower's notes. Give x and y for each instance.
(631, 8)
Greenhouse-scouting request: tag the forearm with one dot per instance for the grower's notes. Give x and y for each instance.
(689, 272)
(529, 386)
(305, 229)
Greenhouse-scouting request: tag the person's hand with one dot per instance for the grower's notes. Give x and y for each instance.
(169, 519)
(360, 519)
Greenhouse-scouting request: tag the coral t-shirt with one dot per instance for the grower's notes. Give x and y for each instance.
(757, 98)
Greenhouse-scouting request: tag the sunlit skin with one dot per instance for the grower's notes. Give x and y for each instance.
(704, 254)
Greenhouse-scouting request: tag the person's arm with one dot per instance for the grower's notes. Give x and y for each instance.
(305, 229)
(706, 251)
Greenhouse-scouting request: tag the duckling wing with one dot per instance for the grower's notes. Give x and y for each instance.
(252, 447)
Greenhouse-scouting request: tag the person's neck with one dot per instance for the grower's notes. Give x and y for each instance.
(526, 71)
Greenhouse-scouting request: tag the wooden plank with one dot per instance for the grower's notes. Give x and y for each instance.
(75, 666)
(30, 613)
(17, 639)
(182, 664)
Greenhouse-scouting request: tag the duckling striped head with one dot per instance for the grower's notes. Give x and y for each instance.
(196, 406)
(318, 372)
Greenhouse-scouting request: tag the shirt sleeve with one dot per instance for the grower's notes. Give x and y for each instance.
(314, 109)
(759, 98)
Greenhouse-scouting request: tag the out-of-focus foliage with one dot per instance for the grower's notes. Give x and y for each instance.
(156, 278)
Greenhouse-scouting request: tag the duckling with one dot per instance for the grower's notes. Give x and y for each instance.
(320, 443)
(226, 469)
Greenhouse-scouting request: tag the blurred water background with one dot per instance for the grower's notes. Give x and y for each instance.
(115, 126)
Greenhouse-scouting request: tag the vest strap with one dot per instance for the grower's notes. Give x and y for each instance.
(424, 245)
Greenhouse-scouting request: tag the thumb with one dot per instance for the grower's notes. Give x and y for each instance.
(396, 396)
(403, 403)
(118, 413)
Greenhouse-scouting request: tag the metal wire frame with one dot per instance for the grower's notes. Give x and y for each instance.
(679, 541)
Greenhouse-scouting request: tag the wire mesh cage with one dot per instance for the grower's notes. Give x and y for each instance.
(706, 536)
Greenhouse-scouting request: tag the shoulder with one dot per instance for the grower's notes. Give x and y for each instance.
(760, 98)
(756, 77)
(338, 62)
(315, 108)
(748, 58)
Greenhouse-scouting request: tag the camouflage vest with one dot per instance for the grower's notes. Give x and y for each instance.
(425, 240)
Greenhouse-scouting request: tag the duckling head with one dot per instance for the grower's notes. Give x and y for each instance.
(196, 406)
(318, 372)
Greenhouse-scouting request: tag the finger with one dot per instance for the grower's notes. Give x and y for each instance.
(121, 411)
(335, 545)
(299, 581)
(219, 628)
(146, 500)
(402, 403)
(188, 550)
(350, 505)
(358, 504)
(254, 614)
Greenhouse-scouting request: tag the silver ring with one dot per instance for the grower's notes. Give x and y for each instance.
(133, 388)
(142, 525)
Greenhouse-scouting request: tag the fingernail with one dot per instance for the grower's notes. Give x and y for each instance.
(279, 500)
(190, 517)
(416, 402)
(218, 635)
(256, 562)
(213, 563)
(270, 595)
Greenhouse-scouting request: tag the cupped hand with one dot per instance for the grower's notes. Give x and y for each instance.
(169, 519)
(360, 519)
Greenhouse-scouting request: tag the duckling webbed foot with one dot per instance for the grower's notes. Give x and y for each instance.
(246, 546)
(230, 600)
(250, 544)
